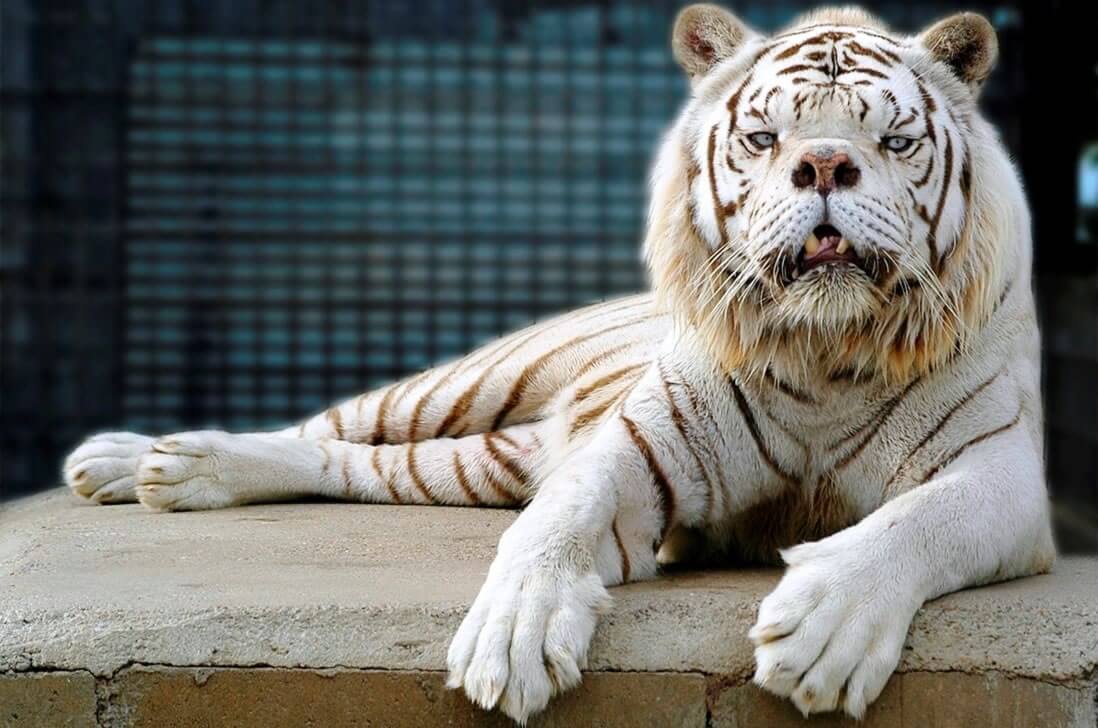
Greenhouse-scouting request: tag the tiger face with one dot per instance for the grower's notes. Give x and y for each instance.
(829, 168)
(828, 175)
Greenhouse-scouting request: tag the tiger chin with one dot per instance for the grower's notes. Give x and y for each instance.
(837, 368)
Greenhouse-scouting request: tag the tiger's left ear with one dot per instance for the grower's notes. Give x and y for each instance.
(966, 43)
(705, 35)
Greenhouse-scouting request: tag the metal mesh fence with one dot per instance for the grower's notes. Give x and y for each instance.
(234, 213)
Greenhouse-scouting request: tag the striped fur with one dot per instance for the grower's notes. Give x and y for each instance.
(877, 428)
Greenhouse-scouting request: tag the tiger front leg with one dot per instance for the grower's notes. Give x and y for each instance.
(593, 524)
(832, 632)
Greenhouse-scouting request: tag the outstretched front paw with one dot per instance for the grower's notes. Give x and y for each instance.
(104, 467)
(832, 632)
(185, 471)
(526, 637)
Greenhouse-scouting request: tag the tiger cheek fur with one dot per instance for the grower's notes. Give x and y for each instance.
(838, 368)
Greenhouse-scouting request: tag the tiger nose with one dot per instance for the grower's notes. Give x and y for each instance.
(825, 172)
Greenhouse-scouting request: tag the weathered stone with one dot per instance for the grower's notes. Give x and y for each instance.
(263, 697)
(326, 585)
(57, 700)
(953, 700)
(336, 613)
(938, 699)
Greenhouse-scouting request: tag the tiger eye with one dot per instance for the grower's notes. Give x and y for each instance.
(762, 139)
(897, 143)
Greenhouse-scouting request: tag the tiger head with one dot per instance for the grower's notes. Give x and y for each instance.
(830, 200)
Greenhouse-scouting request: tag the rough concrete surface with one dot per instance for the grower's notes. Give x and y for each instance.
(327, 597)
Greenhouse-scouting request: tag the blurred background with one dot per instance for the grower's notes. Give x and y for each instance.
(232, 213)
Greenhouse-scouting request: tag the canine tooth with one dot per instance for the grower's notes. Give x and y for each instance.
(812, 244)
(842, 247)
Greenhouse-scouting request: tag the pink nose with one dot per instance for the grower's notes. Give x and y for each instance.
(825, 172)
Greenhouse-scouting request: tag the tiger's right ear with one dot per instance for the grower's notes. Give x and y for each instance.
(704, 35)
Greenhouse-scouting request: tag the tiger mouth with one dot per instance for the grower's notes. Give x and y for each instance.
(824, 246)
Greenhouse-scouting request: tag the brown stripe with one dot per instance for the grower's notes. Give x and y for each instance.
(843, 375)
(974, 441)
(515, 470)
(868, 72)
(752, 111)
(860, 50)
(413, 471)
(375, 461)
(833, 35)
(876, 426)
(938, 428)
(626, 571)
(932, 238)
(584, 419)
(701, 409)
(504, 493)
(926, 176)
(891, 55)
(753, 428)
(508, 439)
(734, 100)
(301, 430)
(601, 357)
(583, 392)
(378, 435)
(894, 103)
(335, 417)
(905, 121)
(730, 207)
(464, 403)
(793, 50)
(667, 496)
(788, 389)
(514, 397)
(718, 208)
(680, 425)
(966, 180)
(345, 473)
(786, 430)
(564, 320)
(928, 100)
(408, 385)
(799, 67)
(915, 149)
(323, 445)
(463, 480)
(1002, 298)
(425, 398)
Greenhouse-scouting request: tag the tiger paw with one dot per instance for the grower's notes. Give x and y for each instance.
(526, 637)
(103, 468)
(830, 635)
(191, 471)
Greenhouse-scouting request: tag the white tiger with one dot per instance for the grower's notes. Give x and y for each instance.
(842, 353)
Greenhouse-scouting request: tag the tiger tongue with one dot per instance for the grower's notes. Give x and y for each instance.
(826, 245)
(828, 236)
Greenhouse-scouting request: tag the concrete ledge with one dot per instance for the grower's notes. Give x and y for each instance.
(341, 614)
